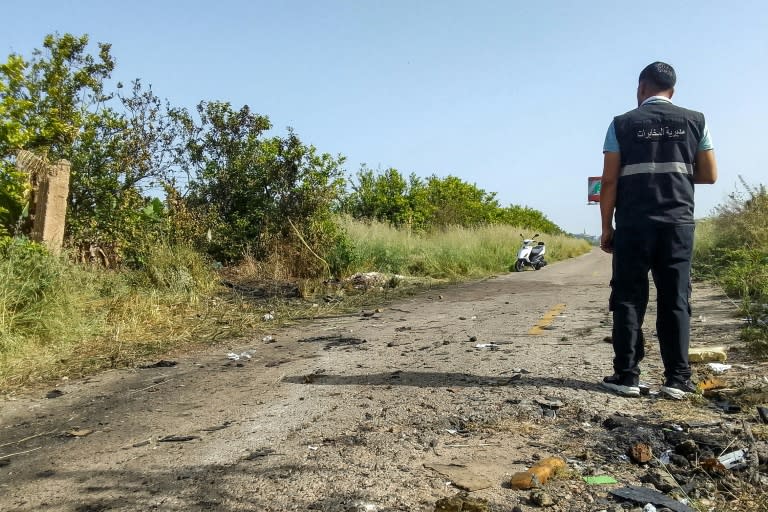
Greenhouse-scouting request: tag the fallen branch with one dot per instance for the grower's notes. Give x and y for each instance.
(469, 445)
(134, 391)
(28, 438)
(19, 453)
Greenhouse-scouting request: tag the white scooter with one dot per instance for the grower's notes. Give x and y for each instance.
(530, 254)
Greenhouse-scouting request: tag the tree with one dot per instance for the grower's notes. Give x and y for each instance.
(57, 90)
(433, 203)
(457, 203)
(119, 158)
(252, 188)
(44, 105)
(382, 197)
(528, 218)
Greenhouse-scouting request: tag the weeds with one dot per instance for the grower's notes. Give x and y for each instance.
(732, 249)
(57, 318)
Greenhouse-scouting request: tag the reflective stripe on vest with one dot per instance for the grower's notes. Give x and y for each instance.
(656, 168)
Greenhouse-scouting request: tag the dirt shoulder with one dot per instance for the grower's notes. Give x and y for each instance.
(381, 411)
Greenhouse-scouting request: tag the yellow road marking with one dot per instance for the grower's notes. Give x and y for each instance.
(547, 319)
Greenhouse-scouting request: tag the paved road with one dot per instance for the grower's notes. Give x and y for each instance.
(344, 413)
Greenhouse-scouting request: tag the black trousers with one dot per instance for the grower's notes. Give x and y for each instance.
(665, 250)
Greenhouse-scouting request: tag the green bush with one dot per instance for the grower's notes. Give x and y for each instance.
(342, 256)
(175, 268)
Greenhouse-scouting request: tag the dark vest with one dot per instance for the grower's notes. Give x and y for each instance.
(658, 143)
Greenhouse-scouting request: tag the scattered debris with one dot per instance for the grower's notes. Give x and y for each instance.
(268, 339)
(661, 480)
(618, 421)
(711, 383)
(640, 453)
(541, 498)
(461, 503)
(78, 432)
(243, 355)
(728, 407)
(600, 480)
(703, 424)
(163, 363)
(763, 412)
(734, 460)
(260, 453)
(334, 340)
(177, 439)
(224, 425)
(549, 404)
(538, 474)
(489, 346)
(54, 393)
(719, 367)
(708, 354)
(461, 477)
(687, 448)
(268, 316)
(643, 495)
(365, 280)
(361, 506)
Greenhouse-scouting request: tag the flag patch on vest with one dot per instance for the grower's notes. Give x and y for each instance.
(669, 130)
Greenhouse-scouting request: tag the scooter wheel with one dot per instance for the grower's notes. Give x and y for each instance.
(519, 266)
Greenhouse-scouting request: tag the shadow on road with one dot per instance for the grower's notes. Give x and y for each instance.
(207, 487)
(442, 379)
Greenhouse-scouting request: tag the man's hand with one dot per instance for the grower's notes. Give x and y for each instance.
(606, 240)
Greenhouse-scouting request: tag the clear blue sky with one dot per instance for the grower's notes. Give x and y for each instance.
(512, 96)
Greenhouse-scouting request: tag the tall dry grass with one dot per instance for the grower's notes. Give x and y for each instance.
(454, 253)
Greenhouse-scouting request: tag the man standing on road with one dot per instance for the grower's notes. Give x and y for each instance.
(653, 156)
